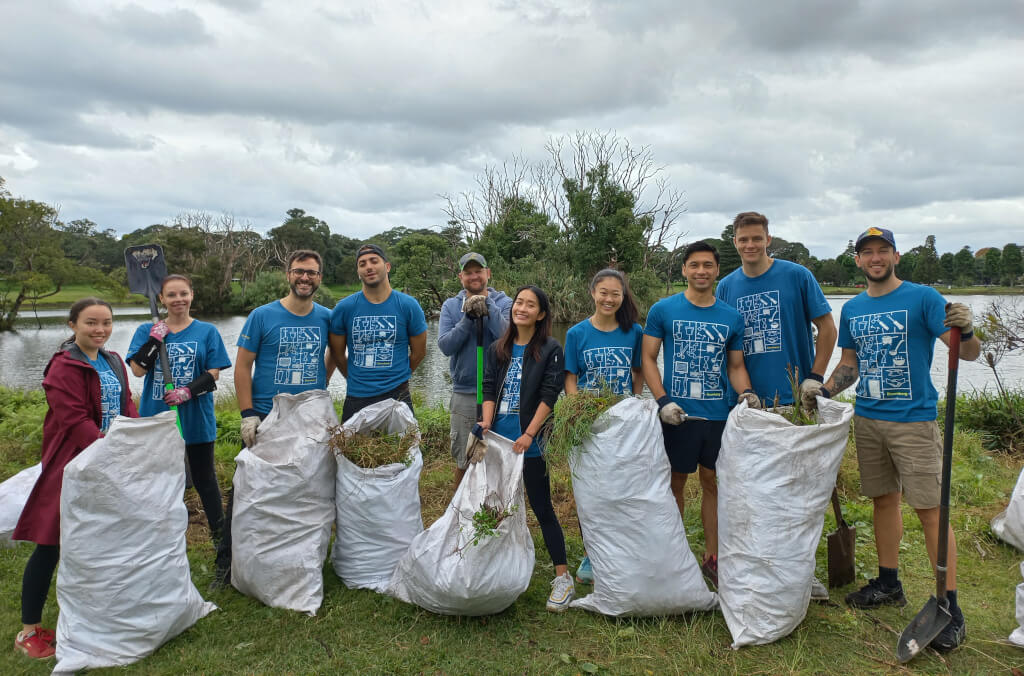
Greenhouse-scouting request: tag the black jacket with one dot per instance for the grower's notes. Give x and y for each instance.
(542, 379)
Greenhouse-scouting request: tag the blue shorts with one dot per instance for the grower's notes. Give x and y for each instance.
(693, 442)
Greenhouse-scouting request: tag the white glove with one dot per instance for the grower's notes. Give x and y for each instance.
(249, 426)
(476, 449)
(753, 401)
(810, 390)
(672, 414)
(475, 306)
(958, 314)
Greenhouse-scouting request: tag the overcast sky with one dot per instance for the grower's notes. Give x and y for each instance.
(828, 116)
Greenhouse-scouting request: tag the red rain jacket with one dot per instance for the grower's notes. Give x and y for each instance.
(72, 422)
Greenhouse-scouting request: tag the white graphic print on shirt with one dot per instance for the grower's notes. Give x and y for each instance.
(182, 358)
(698, 354)
(299, 355)
(373, 340)
(608, 365)
(513, 379)
(882, 353)
(762, 319)
(110, 397)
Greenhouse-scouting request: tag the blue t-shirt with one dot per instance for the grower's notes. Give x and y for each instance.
(506, 420)
(695, 341)
(192, 351)
(289, 351)
(777, 308)
(598, 357)
(894, 336)
(110, 392)
(377, 336)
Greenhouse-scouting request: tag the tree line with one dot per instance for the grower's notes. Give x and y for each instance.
(594, 201)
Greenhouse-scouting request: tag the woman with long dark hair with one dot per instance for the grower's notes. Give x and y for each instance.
(603, 351)
(197, 355)
(86, 387)
(522, 379)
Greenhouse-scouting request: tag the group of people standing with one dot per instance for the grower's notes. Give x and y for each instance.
(719, 346)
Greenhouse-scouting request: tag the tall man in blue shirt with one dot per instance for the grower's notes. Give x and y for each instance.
(378, 336)
(887, 334)
(457, 340)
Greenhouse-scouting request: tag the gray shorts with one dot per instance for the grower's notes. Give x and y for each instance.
(463, 413)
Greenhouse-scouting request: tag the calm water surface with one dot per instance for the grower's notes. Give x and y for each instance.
(24, 353)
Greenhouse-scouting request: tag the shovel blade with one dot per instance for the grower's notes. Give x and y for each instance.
(841, 556)
(146, 267)
(923, 629)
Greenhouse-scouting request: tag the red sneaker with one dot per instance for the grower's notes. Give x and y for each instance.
(48, 635)
(33, 646)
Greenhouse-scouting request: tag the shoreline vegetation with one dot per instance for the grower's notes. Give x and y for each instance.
(360, 631)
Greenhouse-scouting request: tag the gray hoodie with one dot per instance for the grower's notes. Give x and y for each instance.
(457, 335)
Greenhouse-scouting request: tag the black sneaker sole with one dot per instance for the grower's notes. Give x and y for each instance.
(898, 603)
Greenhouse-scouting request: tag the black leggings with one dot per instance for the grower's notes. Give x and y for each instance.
(353, 405)
(204, 478)
(35, 584)
(538, 492)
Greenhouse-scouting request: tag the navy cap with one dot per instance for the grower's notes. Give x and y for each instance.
(370, 249)
(875, 233)
(472, 257)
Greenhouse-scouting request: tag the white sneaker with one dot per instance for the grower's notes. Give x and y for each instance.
(818, 590)
(562, 592)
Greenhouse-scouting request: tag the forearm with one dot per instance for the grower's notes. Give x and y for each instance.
(824, 346)
(571, 383)
(970, 349)
(842, 377)
(338, 351)
(652, 376)
(243, 387)
(537, 422)
(638, 381)
(417, 350)
(487, 414)
(738, 377)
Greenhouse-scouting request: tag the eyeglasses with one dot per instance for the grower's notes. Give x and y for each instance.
(299, 272)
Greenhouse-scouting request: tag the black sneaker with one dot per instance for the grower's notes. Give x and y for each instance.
(221, 578)
(875, 594)
(952, 636)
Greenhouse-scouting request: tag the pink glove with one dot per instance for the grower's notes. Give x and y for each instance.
(177, 396)
(159, 330)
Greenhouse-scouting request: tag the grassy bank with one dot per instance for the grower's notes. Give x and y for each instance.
(359, 631)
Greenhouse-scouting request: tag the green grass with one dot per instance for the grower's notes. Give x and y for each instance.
(72, 292)
(364, 632)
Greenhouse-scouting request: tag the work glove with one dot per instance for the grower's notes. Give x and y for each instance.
(475, 306)
(178, 396)
(810, 390)
(159, 330)
(670, 412)
(958, 314)
(248, 430)
(753, 401)
(476, 449)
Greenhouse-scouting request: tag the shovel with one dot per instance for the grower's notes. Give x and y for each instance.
(147, 268)
(934, 617)
(840, 549)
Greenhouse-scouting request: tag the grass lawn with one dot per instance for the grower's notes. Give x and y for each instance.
(364, 632)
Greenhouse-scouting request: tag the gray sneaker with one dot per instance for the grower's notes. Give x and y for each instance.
(818, 590)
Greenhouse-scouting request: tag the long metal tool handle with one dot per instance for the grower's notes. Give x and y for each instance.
(165, 364)
(479, 369)
(947, 464)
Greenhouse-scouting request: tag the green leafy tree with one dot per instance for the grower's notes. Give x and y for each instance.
(522, 230)
(832, 273)
(848, 261)
(1013, 266)
(729, 258)
(89, 247)
(946, 264)
(425, 265)
(992, 266)
(964, 267)
(789, 251)
(927, 269)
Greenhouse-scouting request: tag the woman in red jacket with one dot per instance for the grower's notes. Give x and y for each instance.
(86, 387)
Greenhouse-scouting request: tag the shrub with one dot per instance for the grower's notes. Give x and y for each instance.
(998, 417)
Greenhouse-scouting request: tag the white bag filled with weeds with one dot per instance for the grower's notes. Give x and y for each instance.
(284, 505)
(14, 494)
(123, 584)
(1008, 525)
(1017, 637)
(631, 525)
(456, 568)
(378, 509)
(775, 480)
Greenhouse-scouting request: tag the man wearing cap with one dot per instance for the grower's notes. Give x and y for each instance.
(887, 335)
(457, 340)
(378, 336)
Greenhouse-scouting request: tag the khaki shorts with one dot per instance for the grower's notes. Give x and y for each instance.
(899, 456)
(463, 413)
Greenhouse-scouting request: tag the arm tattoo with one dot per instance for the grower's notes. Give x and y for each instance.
(842, 377)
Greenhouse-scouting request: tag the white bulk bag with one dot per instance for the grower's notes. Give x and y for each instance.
(775, 480)
(284, 504)
(444, 572)
(378, 509)
(123, 584)
(631, 525)
(13, 495)
(1017, 637)
(1008, 525)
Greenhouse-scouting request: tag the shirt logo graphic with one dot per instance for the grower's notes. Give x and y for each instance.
(373, 341)
(609, 366)
(881, 340)
(110, 397)
(182, 358)
(513, 379)
(698, 354)
(300, 354)
(762, 319)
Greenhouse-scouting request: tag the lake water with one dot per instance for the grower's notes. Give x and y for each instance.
(25, 353)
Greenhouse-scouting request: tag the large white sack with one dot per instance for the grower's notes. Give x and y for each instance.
(378, 509)
(1017, 637)
(123, 584)
(631, 525)
(445, 573)
(284, 504)
(13, 495)
(1008, 525)
(775, 480)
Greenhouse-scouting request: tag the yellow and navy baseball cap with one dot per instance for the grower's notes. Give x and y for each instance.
(875, 233)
